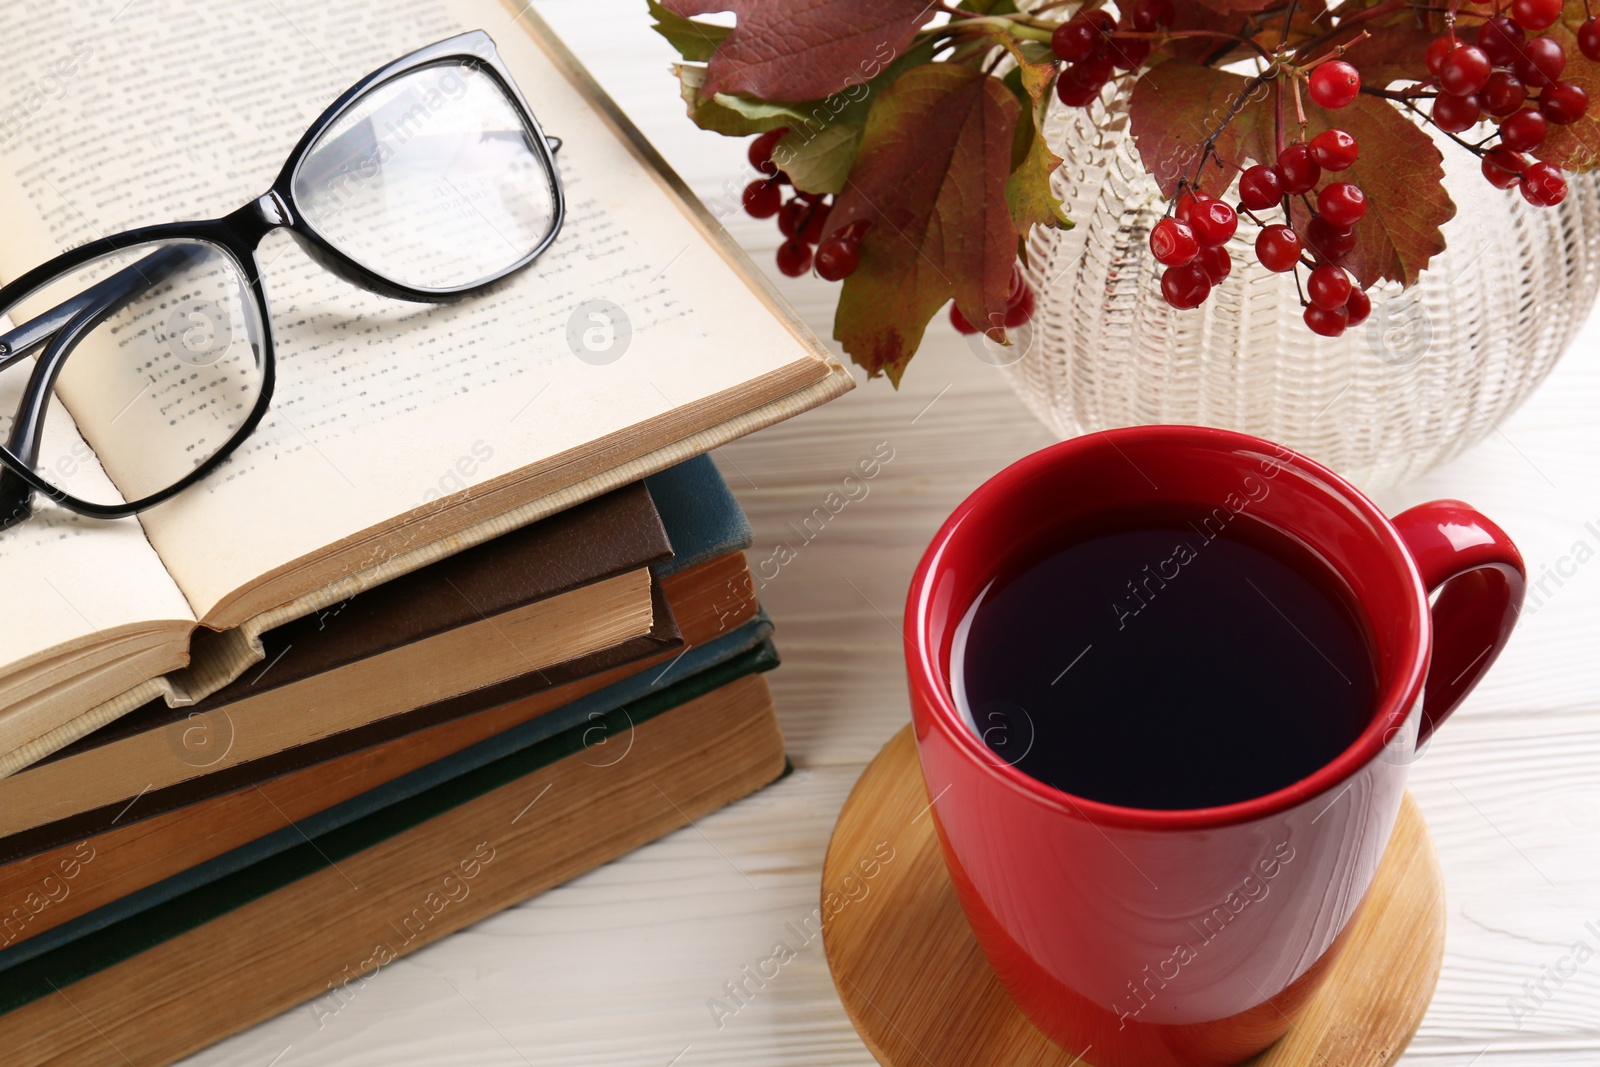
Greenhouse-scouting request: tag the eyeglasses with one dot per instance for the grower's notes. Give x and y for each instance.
(428, 180)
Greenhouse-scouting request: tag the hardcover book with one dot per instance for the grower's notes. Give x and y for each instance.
(400, 433)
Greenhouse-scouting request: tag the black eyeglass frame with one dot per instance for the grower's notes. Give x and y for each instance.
(238, 235)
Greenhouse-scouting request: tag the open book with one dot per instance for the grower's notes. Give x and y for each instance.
(399, 433)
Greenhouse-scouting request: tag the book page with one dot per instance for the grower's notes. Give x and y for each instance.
(69, 582)
(382, 407)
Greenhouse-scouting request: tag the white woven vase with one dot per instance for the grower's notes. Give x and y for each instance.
(1433, 370)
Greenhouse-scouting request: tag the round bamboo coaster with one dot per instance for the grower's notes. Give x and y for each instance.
(921, 994)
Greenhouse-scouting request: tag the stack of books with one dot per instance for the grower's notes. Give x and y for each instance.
(469, 616)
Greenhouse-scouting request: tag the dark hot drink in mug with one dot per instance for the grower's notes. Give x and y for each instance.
(1184, 657)
(1166, 683)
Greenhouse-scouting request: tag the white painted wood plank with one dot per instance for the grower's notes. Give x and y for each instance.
(617, 967)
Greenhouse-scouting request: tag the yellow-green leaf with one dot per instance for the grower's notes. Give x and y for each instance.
(818, 161)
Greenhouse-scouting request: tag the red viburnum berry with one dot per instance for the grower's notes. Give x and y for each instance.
(1535, 15)
(1524, 130)
(1278, 248)
(1334, 84)
(763, 198)
(1357, 308)
(1298, 170)
(1589, 38)
(1327, 241)
(838, 257)
(794, 257)
(1074, 41)
(1185, 286)
(1334, 150)
(1328, 286)
(1216, 262)
(1173, 243)
(1260, 188)
(1453, 114)
(1502, 94)
(1020, 309)
(760, 151)
(1464, 71)
(1070, 93)
(1543, 185)
(1438, 48)
(1563, 103)
(1325, 322)
(1540, 62)
(1342, 203)
(1213, 223)
(1502, 167)
(1501, 40)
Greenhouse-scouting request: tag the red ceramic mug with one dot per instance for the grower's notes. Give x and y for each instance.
(1148, 938)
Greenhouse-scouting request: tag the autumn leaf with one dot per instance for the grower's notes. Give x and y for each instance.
(1575, 147)
(1402, 172)
(730, 115)
(1028, 192)
(1176, 104)
(818, 161)
(930, 185)
(695, 41)
(806, 49)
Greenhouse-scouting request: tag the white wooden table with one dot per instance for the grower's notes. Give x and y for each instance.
(617, 968)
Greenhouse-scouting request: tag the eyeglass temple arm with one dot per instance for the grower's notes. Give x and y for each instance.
(70, 317)
(108, 295)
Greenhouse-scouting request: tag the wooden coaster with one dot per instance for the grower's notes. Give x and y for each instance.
(920, 991)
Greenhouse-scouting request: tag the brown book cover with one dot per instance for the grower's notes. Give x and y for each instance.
(607, 536)
(611, 539)
(166, 838)
(315, 933)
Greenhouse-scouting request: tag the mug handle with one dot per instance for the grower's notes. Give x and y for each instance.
(1480, 580)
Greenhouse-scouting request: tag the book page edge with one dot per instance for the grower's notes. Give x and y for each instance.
(237, 649)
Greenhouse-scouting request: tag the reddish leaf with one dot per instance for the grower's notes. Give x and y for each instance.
(1575, 147)
(1401, 171)
(1190, 16)
(930, 183)
(1176, 104)
(1394, 53)
(806, 49)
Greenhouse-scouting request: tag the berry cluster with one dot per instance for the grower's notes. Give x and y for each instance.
(1189, 242)
(1508, 73)
(1333, 301)
(802, 219)
(1093, 47)
(1511, 75)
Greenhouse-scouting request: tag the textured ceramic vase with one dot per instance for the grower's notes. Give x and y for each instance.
(1433, 370)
